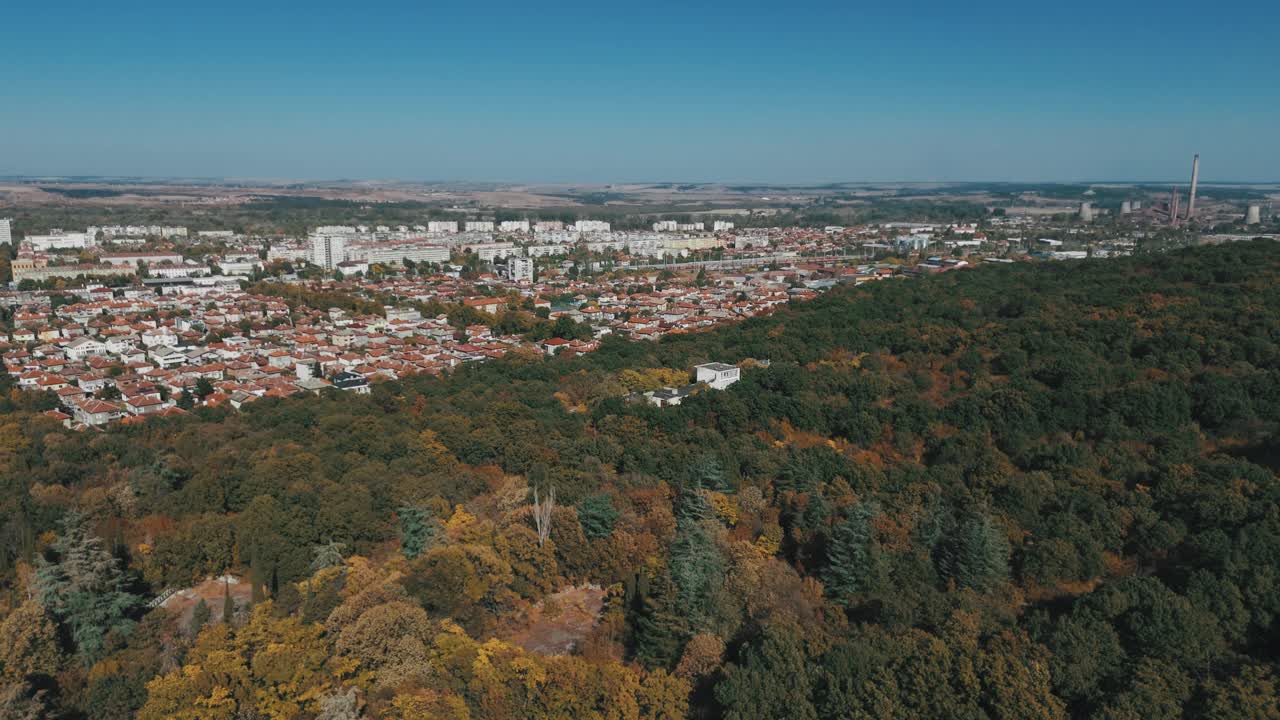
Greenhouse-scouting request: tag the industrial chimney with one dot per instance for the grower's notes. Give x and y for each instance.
(1173, 207)
(1086, 212)
(1254, 215)
(1195, 177)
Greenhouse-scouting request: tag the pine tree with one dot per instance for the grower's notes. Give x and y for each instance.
(200, 617)
(707, 472)
(85, 589)
(327, 555)
(981, 554)
(855, 564)
(417, 531)
(658, 631)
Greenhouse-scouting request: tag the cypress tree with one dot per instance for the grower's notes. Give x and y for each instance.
(255, 577)
(228, 605)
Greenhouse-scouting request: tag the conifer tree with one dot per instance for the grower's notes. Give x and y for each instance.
(85, 589)
(981, 554)
(417, 531)
(228, 605)
(200, 617)
(855, 564)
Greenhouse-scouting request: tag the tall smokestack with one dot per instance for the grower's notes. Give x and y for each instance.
(1195, 176)
(1173, 207)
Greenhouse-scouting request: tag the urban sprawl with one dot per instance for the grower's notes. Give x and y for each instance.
(125, 322)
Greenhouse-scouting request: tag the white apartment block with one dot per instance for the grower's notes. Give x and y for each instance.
(177, 271)
(514, 226)
(535, 251)
(132, 259)
(6, 231)
(479, 226)
(288, 252)
(721, 226)
(442, 226)
(591, 226)
(568, 237)
(58, 239)
(328, 250)
(519, 269)
(664, 226)
(395, 253)
(492, 251)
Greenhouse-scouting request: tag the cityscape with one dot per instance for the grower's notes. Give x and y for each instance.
(122, 322)
(799, 361)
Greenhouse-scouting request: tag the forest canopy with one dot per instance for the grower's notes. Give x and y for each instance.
(1018, 491)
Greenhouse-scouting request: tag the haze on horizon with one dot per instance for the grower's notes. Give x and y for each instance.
(752, 92)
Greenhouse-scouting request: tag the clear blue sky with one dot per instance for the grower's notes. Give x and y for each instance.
(598, 92)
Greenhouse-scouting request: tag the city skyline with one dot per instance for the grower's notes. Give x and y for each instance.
(812, 93)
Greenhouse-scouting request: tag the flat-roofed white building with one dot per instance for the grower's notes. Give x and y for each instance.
(492, 251)
(395, 253)
(717, 375)
(58, 239)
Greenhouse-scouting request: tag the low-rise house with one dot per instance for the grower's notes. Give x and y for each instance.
(717, 375)
(96, 413)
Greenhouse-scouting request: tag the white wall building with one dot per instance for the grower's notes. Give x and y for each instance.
(395, 253)
(479, 226)
(442, 226)
(717, 375)
(514, 226)
(519, 269)
(60, 240)
(328, 250)
(591, 226)
(6, 231)
(492, 251)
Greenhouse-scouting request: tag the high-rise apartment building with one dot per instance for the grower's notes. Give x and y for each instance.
(6, 231)
(327, 250)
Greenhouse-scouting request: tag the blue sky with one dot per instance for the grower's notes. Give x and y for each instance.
(594, 92)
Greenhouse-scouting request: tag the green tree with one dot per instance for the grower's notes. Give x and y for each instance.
(199, 617)
(418, 530)
(855, 563)
(85, 589)
(597, 516)
(772, 681)
(981, 554)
